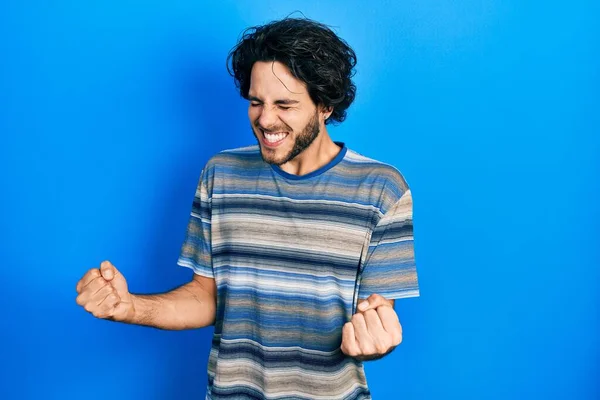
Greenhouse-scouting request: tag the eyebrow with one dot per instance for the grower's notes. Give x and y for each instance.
(280, 101)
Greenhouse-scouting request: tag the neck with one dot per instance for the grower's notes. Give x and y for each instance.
(320, 152)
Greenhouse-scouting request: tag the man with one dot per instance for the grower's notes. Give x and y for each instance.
(299, 245)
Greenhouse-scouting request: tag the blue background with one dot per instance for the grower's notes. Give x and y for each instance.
(109, 110)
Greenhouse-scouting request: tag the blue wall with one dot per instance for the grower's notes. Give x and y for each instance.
(108, 111)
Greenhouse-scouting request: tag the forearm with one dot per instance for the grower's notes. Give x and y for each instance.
(186, 307)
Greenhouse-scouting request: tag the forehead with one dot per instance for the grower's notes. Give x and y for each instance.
(272, 80)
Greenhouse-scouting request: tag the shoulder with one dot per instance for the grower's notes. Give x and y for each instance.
(383, 174)
(234, 160)
(240, 156)
(231, 163)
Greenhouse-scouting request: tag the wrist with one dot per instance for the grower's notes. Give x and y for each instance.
(132, 314)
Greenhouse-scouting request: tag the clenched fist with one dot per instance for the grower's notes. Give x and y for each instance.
(373, 331)
(103, 293)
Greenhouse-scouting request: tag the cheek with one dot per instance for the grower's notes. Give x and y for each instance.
(293, 121)
(252, 114)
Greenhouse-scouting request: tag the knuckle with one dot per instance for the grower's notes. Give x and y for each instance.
(348, 350)
(367, 348)
(104, 311)
(383, 345)
(111, 301)
(88, 307)
(100, 281)
(380, 348)
(398, 339)
(344, 348)
(108, 312)
(389, 342)
(377, 300)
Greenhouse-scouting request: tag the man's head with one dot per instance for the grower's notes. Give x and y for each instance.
(297, 75)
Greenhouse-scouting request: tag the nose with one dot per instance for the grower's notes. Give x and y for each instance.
(268, 117)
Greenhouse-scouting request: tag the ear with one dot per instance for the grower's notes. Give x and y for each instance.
(325, 112)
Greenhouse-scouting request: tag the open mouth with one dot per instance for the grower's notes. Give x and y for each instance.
(274, 139)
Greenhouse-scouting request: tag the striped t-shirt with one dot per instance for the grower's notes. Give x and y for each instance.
(291, 255)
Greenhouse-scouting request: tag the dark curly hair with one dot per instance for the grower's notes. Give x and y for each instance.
(312, 52)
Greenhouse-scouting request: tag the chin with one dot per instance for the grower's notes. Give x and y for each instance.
(272, 157)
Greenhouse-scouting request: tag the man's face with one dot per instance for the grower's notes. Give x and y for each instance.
(284, 118)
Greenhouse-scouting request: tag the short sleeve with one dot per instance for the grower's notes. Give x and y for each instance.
(389, 268)
(196, 249)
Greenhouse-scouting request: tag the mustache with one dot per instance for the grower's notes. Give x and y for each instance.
(272, 128)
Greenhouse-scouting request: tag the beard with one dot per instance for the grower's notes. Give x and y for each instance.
(303, 140)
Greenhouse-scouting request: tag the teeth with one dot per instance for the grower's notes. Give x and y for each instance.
(274, 137)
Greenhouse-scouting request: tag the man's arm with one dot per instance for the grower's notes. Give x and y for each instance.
(189, 306)
(103, 292)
